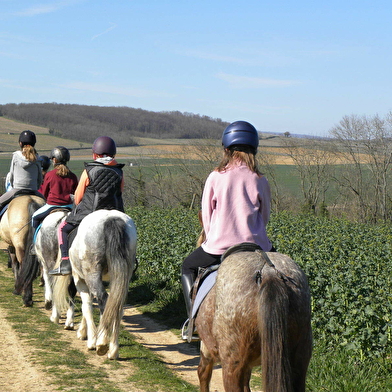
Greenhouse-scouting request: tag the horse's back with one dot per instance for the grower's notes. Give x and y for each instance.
(47, 238)
(99, 229)
(99, 221)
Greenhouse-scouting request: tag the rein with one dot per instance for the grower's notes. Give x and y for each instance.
(28, 223)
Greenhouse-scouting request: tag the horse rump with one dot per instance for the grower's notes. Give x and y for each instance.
(257, 313)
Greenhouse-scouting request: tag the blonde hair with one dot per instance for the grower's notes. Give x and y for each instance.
(29, 153)
(62, 168)
(233, 156)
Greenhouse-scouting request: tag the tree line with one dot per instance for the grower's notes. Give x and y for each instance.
(85, 123)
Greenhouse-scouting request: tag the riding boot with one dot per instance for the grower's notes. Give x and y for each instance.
(187, 281)
(63, 269)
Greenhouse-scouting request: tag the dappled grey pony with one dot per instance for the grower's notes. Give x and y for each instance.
(258, 312)
(104, 249)
(47, 251)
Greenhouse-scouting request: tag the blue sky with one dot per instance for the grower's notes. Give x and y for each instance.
(296, 66)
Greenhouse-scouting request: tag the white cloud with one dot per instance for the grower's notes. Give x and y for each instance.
(40, 9)
(245, 82)
(113, 26)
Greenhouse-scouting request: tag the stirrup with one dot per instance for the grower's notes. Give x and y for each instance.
(185, 333)
(62, 269)
(60, 272)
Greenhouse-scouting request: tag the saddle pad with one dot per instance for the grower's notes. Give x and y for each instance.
(204, 289)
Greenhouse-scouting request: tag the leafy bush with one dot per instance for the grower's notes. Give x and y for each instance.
(165, 238)
(349, 267)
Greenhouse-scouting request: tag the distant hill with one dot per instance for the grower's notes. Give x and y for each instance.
(85, 123)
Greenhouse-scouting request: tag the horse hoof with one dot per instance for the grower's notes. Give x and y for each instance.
(69, 327)
(28, 304)
(16, 292)
(48, 305)
(102, 350)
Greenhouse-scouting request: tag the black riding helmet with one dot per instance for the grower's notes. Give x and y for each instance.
(45, 162)
(27, 138)
(61, 154)
(104, 145)
(240, 133)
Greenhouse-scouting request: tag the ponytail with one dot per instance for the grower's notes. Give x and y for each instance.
(62, 170)
(29, 153)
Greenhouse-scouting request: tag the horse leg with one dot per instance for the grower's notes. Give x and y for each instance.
(300, 362)
(205, 368)
(48, 289)
(13, 262)
(87, 310)
(235, 374)
(9, 261)
(69, 322)
(247, 376)
(82, 330)
(114, 347)
(97, 289)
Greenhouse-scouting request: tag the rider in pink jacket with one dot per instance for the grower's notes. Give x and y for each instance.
(235, 205)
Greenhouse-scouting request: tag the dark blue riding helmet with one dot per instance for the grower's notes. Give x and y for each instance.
(45, 162)
(240, 133)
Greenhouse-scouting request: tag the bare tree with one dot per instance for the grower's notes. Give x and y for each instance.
(312, 159)
(365, 143)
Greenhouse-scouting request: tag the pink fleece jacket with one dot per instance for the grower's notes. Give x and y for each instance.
(235, 208)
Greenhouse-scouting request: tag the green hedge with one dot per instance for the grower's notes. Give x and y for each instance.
(349, 267)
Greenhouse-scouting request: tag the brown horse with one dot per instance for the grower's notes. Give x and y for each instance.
(15, 229)
(258, 312)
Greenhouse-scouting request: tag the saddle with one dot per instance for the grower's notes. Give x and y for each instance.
(27, 192)
(20, 192)
(67, 209)
(206, 278)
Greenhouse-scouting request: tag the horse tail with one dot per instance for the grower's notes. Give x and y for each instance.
(273, 321)
(62, 295)
(29, 267)
(121, 259)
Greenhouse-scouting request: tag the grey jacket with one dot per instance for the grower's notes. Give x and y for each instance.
(25, 174)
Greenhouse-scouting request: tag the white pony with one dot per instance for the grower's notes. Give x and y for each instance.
(104, 249)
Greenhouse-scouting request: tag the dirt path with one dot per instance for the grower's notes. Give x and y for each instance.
(17, 372)
(178, 355)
